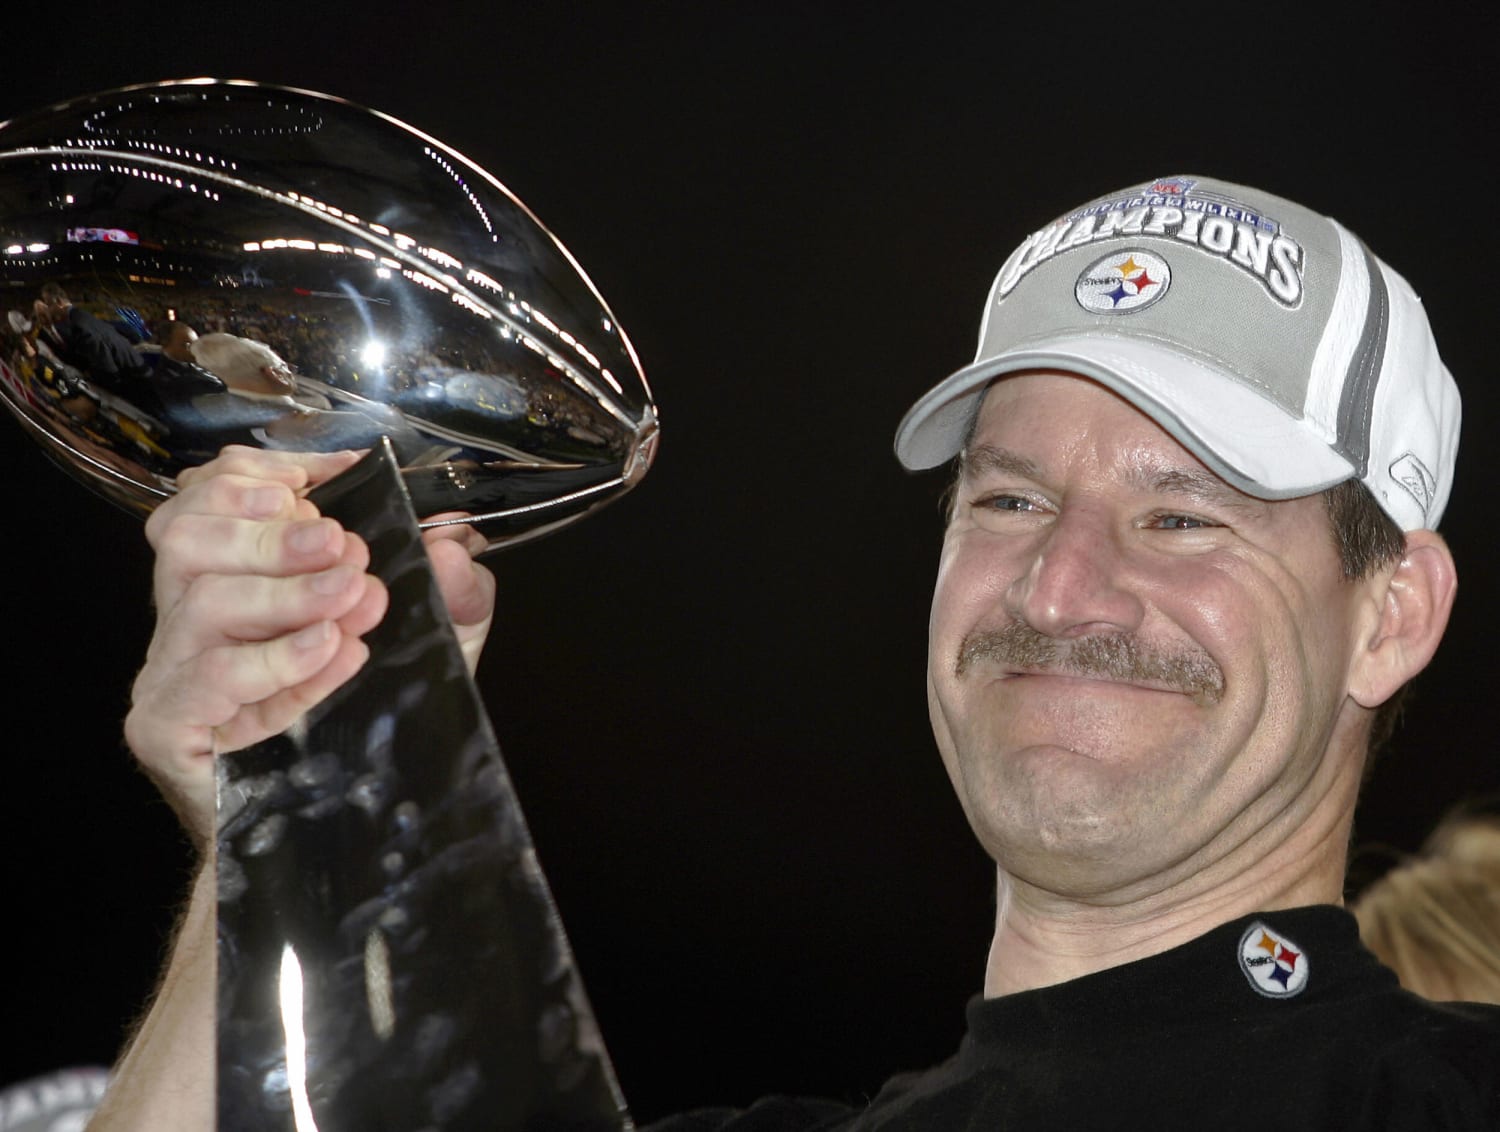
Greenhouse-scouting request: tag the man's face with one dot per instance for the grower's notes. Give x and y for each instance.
(280, 375)
(179, 346)
(1134, 669)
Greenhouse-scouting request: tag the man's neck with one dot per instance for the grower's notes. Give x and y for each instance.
(1042, 938)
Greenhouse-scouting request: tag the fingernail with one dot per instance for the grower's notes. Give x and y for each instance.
(333, 581)
(263, 502)
(308, 537)
(312, 636)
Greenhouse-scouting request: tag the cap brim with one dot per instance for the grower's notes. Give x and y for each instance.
(1247, 439)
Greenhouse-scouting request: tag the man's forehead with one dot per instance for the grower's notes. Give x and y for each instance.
(1020, 423)
(1035, 408)
(1147, 476)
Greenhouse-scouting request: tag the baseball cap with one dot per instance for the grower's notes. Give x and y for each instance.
(1263, 336)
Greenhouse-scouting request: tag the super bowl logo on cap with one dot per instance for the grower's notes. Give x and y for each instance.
(1275, 966)
(1123, 282)
(1171, 186)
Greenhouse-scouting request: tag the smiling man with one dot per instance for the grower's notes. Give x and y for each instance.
(1153, 691)
(1190, 564)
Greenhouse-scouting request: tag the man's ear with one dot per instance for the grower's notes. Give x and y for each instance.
(1415, 597)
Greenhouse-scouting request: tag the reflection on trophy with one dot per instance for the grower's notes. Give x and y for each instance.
(197, 264)
(190, 265)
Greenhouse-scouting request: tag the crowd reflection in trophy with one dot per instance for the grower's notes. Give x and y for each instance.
(167, 381)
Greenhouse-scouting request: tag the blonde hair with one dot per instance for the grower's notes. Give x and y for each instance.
(1435, 919)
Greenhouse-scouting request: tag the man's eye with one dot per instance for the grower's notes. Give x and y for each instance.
(1182, 523)
(1004, 502)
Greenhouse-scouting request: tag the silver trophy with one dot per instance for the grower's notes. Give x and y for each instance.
(195, 264)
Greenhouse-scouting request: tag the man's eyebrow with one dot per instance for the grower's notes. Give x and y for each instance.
(1193, 483)
(977, 459)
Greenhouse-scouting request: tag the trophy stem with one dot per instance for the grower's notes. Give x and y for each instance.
(389, 953)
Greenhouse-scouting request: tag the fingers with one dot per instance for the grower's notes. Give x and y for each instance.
(246, 484)
(191, 544)
(235, 695)
(226, 699)
(468, 588)
(243, 512)
(296, 470)
(222, 609)
(209, 634)
(260, 606)
(203, 680)
(462, 533)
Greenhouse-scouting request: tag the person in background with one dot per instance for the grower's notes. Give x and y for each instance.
(1434, 919)
(94, 346)
(251, 369)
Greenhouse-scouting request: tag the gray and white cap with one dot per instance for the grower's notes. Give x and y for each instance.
(1268, 340)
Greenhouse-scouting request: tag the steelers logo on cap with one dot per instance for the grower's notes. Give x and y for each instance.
(1123, 282)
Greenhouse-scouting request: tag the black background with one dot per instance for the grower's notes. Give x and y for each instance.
(710, 694)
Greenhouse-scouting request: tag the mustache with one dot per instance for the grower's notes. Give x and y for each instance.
(1110, 656)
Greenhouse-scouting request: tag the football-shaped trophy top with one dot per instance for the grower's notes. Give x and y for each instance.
(194, 264)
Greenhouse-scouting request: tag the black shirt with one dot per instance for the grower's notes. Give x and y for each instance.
(1277, 1022)
(100, 350)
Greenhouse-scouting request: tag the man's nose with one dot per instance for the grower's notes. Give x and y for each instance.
(1077, 581)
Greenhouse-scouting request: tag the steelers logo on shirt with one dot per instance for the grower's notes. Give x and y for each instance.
(1275, 966)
